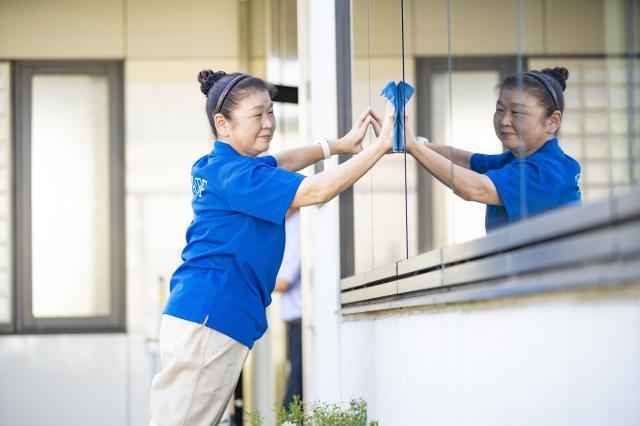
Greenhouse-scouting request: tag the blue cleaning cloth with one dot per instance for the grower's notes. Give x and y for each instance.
(398, 94)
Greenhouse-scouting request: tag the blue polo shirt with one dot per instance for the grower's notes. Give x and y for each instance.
(546, 179)
(234, 243)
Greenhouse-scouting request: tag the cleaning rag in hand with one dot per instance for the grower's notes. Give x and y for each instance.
(398, 94)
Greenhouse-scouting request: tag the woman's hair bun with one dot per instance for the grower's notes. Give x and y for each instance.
(208, 78)
(561, 74)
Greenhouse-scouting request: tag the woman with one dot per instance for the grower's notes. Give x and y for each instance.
(219, 294)
(533, 174)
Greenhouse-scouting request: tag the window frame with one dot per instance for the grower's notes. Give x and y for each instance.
(9, 326)
(24, 320)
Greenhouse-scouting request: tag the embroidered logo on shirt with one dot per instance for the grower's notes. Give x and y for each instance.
(197, 186)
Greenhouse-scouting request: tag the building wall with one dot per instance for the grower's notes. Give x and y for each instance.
(563, 360)
(555, 359)
(547, 27)
(104, 379)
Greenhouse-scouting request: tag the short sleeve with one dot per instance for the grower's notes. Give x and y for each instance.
(269, 160)
(482, 163)
(527, 187)
(263, 191)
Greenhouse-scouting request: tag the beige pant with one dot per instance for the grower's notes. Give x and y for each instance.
(200, 368)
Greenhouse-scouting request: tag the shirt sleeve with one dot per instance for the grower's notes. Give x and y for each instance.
(263, 191)
(482, 163)
(269, 160)
(527, 187)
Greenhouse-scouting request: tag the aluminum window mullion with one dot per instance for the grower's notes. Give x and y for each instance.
(9, 326)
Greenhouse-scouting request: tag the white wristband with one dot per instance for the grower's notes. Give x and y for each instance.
(422, 140)
(324, 143)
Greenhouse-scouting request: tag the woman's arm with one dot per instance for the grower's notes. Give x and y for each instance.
(282, 285)
(459, 157)
(469, 185)
(324, 186)
(298, 158)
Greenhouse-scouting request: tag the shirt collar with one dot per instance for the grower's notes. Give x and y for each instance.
(222, 148)
(549, 146)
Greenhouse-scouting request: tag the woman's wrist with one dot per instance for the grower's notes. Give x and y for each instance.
(325, 147)
(382, 145)
(335, 146)
(411, 145)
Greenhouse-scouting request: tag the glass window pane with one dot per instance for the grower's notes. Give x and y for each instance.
(468, 128)
(5, 207)
(428, 116)
(70, 196)
(379, 196)
(596, 128)
(458, 73)
(362, 96)
(387, 176)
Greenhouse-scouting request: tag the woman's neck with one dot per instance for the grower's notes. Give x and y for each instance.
(236, 147)
(522, 151)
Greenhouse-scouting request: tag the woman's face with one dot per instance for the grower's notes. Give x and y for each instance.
(520, 122)
(252, 125)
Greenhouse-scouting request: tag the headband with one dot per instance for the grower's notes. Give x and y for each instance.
(547, 85)
(226, 91)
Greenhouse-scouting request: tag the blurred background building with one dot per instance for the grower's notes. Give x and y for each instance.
(407, 303)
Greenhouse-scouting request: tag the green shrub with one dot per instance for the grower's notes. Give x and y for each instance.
(254, 417)
(319, 414)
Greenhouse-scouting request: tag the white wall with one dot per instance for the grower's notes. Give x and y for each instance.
(104, 379)
(64, 380)
(569, 360)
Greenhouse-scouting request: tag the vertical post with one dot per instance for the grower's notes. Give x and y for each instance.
(343, 80)
(321, 242)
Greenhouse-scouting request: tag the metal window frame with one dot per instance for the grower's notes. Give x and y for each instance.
(343, 86)
(9, 327)
(25, 322)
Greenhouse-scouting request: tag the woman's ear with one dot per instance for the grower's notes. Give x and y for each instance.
(553, 122)
(221, 124)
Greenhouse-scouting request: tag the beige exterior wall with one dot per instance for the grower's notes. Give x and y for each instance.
(163, 46)
(205, 29)
(115, 29)
(182, 28)
(384, 29)
(488, 27)
(62, 29)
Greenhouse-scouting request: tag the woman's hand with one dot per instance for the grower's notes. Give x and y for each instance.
(351, 143)
(410, 139)
(376, 123)
(383, 127)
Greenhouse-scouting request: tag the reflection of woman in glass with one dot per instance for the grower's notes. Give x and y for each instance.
(534, 174)
(219, 294)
